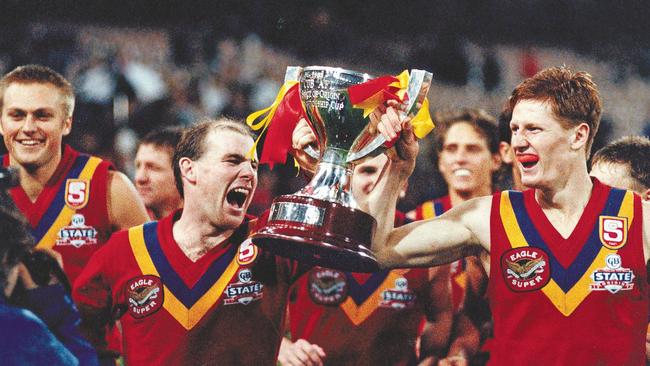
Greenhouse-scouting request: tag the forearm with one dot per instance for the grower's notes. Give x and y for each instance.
(381, 205)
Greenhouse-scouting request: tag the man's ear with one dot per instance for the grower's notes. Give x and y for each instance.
(188, 172)
(505, 150)
(67, 126)
(580, 136)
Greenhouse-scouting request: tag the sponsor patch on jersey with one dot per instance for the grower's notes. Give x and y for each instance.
(247, 253)
(77, 233)
(614, 277)
(245, 290)
(525, 269)
(612, 231)
(327, 286)
(399, 297)
(145, 295)
(76, 193)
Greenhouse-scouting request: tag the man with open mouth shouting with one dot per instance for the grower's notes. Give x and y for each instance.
(191, 289)
(567, 257)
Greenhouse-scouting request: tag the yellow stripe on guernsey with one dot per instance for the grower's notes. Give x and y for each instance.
(188, 318)
(49, 239)
(428, 210)
(567, 302)
(359, 313)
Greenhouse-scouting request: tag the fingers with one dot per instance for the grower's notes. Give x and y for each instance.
(302, 353)
(302, 135)
(390, 124)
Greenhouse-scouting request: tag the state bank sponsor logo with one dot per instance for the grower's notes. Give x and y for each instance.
(245, 290)
(77, 233)
(613, 277)
(399, 297)
(145, 295)
(525, 269)
(327, 286)
(612, 231)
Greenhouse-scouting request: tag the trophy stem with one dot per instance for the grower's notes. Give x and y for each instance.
(332, 181)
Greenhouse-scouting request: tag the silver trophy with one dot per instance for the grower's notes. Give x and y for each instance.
(321, 224)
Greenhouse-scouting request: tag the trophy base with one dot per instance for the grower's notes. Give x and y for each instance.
(318, 232)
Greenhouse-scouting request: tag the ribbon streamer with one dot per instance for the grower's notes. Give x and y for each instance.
(280, 119)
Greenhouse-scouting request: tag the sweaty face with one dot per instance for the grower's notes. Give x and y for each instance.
(465, 161)
(614, 175)
(154, 177)
(33, 123)
(365, 177)
(542, 145)
(226, 178)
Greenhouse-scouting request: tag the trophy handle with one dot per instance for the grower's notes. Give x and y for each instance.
(293, 74)
(417, 90)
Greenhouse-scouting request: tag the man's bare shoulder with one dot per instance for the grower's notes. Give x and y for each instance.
(474, 214)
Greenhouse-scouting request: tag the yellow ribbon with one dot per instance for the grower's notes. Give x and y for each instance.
(264, 123)
(422, 122)
(402, 83)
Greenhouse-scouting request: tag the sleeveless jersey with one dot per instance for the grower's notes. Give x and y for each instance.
(70, 215)
(582, 300)
(227, 308)
(360, 317)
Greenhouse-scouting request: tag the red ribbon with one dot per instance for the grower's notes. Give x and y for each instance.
(277, 143)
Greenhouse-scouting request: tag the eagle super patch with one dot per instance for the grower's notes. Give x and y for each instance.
(399, 297)
(145, 295)
(612, 278)
(77, 233)
(76, 193)
(612, 231)
(327, 286)
(525, 269)
(245, 290)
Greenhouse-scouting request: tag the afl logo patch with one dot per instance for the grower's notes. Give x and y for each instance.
(327, 286)
(247, 253)
(612, 231)
(77, 233)
(76, 193)
(525, 269)
(145, 295)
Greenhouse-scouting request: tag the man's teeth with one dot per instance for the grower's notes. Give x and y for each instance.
(241, 190)
(462, 173)
(29, 142)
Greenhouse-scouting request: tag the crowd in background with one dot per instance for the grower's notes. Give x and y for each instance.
(131, 80)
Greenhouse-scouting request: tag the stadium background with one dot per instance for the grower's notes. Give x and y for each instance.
(137, 65)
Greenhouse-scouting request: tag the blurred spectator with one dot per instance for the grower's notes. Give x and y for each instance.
(53, 337)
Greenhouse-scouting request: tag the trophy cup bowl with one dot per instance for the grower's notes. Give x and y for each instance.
(321, 224)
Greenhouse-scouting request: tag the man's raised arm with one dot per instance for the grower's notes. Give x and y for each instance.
(461, 231)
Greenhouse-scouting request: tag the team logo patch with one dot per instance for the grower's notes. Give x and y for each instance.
(525, 269)
(145, 295)
(78, 233)
(327, 286)
(613, 277)
(247, 253)
(245, 290)
(399, 297)
(612, 231)
(76, 193)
